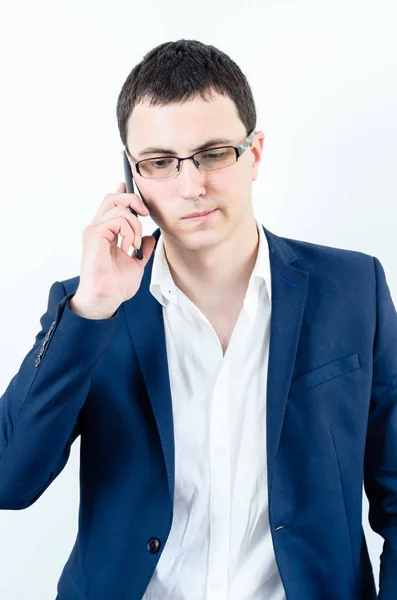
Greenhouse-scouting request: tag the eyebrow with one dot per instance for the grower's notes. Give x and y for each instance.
(158, 150)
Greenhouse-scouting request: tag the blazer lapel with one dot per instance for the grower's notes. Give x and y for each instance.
(289, 291)
(145, 320)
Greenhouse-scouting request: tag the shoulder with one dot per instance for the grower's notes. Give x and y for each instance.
(317, 257)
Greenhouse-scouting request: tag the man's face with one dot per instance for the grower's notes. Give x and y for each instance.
(181, 127)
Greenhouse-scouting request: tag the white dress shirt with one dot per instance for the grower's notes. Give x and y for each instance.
(220, 545)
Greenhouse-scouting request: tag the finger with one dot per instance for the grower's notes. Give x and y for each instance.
(121, 188)
(125, 199)
(111, 229)
(135, 239)
(148, 244)
(123, 211)
(130, 220)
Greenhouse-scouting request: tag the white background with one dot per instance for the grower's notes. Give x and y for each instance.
(323, 76)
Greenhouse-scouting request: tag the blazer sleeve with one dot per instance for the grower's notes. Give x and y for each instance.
(40, 409)
(380, 467)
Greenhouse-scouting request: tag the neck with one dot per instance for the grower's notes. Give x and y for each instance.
(221, 272)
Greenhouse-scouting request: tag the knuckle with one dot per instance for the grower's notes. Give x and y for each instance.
(109, 199)
(133, 219)
(124, 200)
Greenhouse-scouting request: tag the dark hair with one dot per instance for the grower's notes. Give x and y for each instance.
(179, 71)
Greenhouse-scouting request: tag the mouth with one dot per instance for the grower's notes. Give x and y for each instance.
(200, 216)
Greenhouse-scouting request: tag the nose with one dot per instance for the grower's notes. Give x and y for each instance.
(191, 180)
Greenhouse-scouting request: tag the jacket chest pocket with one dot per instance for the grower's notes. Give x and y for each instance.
(331, 370)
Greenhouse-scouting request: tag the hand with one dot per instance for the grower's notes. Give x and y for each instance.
(108, 275)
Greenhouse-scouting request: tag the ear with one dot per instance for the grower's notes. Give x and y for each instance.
(256, 152)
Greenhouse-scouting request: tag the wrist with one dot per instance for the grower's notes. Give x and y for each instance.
(91, 309)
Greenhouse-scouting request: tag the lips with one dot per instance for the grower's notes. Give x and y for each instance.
(199, 214)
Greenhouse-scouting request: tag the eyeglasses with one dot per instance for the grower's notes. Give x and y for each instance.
(211, 159)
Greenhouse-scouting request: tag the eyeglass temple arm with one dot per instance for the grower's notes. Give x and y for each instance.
(246, 143)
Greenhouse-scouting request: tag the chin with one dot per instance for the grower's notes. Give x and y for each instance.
(201, 240)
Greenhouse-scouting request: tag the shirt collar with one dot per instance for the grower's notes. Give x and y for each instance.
(162, 285)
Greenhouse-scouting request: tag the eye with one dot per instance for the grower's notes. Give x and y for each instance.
(160, 162)
(213, 155)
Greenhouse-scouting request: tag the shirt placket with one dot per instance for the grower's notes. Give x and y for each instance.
(219, 504)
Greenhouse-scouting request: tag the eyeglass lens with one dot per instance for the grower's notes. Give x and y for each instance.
(208, 160)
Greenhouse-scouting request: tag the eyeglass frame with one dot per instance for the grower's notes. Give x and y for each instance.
(239, 150)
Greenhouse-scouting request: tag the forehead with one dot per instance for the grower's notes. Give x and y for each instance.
(183, 124)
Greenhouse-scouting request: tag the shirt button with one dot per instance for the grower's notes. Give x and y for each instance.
(153, 545)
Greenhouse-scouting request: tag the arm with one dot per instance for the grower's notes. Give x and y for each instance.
(380, 467)
(39, 411)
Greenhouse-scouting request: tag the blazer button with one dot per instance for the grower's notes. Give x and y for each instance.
(153, 545)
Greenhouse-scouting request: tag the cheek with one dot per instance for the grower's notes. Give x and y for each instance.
(151, 198)
(232, 189)
(222, 187)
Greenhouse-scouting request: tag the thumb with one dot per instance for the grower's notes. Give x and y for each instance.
(148, 244)
(121, 189)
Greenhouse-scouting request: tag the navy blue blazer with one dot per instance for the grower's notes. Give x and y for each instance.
(331, 424)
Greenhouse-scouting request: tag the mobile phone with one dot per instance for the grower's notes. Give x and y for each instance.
(129, 184)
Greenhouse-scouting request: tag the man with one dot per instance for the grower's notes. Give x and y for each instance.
(232, 390)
